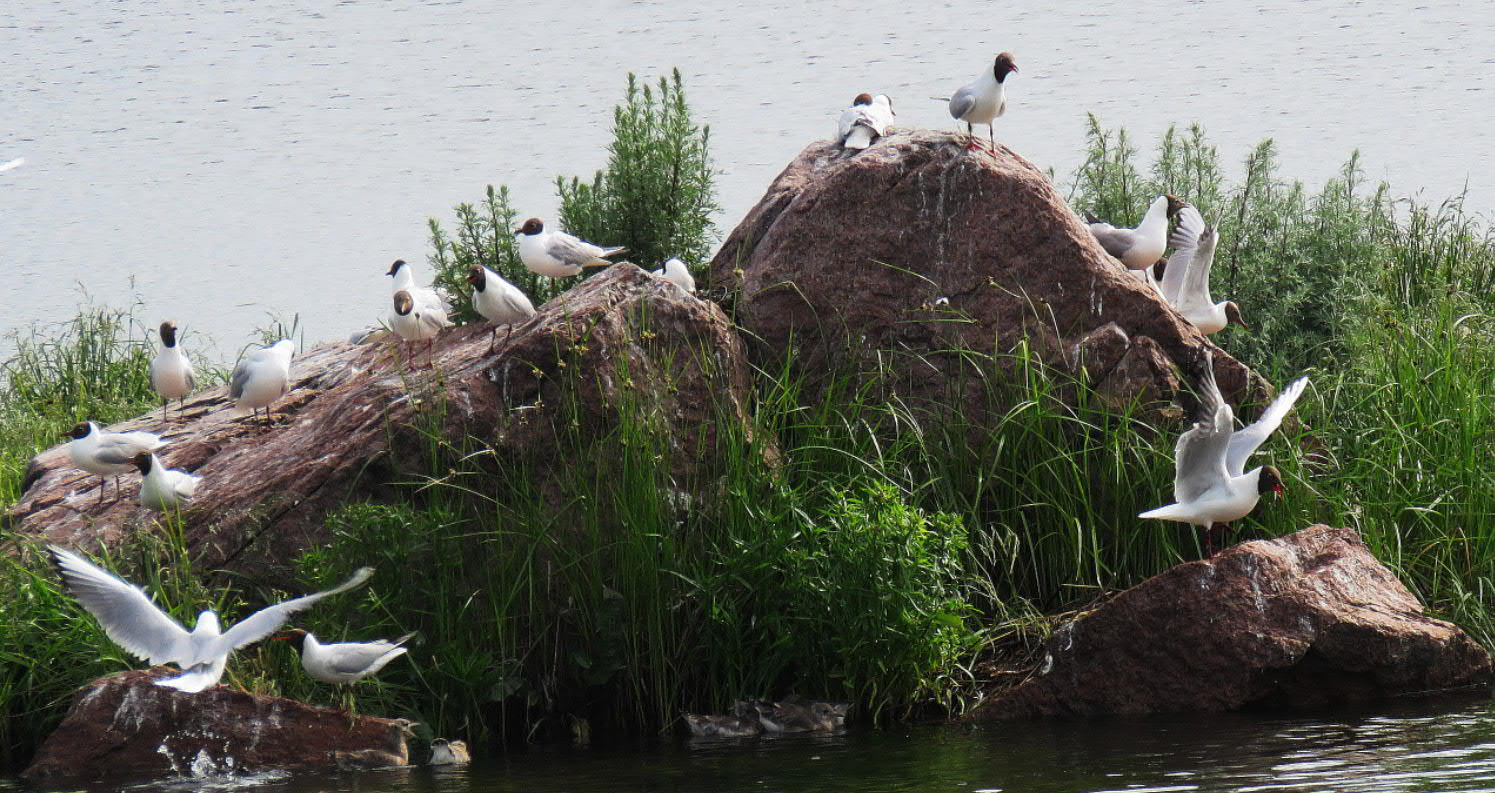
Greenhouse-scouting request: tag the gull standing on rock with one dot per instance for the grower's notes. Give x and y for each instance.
(171, 373)
(1141, 247)
(163, 488)
(1186, 279)
(865, 121)
(678, 274)
(417, 321)
(496, 299)
(404, 281)
(107, 454)
(1211, 486)
(145, 631)
(984, 100)
(340, 663)
(262, 377)
(557, 254)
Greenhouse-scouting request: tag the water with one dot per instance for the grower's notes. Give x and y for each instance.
(1446, 746)
(226, 161)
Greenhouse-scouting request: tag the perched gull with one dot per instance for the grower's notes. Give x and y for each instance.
(145, 631)
(444, 752)
(498, 300)
(678, 274)
(163, 488)
(1211, 485)
(262, 377)
(417, 320)
(557, 254)
(1141, 247)
(345, 662)
(984, 99)
(865, 121)
(404, 281)
(107, 454)
(171, 372)
(1186, 279)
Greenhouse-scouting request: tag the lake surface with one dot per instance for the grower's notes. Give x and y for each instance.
(225, 162)
(1447, 746)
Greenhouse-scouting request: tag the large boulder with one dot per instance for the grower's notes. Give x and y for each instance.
(124, 727)
(923, 246)
(360, 420)
(1307, 620)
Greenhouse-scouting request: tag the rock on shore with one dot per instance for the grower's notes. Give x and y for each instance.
(1307, 620)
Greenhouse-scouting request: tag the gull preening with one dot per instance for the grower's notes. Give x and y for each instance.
(497, 299)
(1141, 247)
(145, 631)
(262, 377)
(163, 488)
(868, 119)
(1186, 278)
(417, 320)
(106, 454)
(340, 663)
(1211, 485)
(557, 254)
(678, 274)
(984, 100)
(171, 373)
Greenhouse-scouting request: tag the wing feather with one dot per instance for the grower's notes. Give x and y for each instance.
(128, 616)
(1245, 443)
(1185, 241)
(268, 620)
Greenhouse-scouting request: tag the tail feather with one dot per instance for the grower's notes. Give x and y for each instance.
(1177, 512)
(860, 137)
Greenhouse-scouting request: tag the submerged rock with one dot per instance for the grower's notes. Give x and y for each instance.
(923, 247)
(1307, 620)
(125, 727)
(358, 419)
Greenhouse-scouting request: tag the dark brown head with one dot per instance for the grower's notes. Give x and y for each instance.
(862, 99)
(1233, 315)
(1175, 205)
(79, 430)
(476, 277)
(1270, 479)
(404, 304)
(1159, 268)
(1004, 65)
(531, 227)
(394, 268)
(142, 462)
(168, 333)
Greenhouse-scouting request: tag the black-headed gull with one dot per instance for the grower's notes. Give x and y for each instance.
(417, 320)
(868, 119)
(444, 752)
(1141, 247)
(163, 488)
(262, 377)
(496, 299)
(984, 100)
(1186, 278)
(557, 254)
(106, 454)
(340, 663)
(171, 373)
(403, 274)
(1211, 485)
(678, 274)
(145, 631)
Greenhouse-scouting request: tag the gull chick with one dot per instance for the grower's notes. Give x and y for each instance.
(345, 662)
(984, 100)
(1211, 485)
(1186, 279)
(262, 377)
(1141, 247)
(107, 454)
(557, 254)
(171, 373)
(145, 631)
(163, 488)
(678, 274)
(868, 119)
(444, 752)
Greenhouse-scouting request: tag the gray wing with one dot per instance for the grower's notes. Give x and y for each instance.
(241, 375)
(1200, 454)
(963, 101)
(846, 121)
(121, 448)
(126, 613)
(268, 620)
(570, 250)
(1185, 242)
(354, 657)
(1245, 443)
(1116, 241)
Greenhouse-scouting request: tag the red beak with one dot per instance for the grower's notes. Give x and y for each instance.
(1279, 489)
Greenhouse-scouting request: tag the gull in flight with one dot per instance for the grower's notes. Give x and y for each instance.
(1211, 487)
(163, 488)
(984, 100)
(557, 254)
(262, 377)
(678, 274)
(497, 300)
(1186, 278)
(340, 663)
(107, 454)
(171, 373)
(145, 631)
(1141, 247)
(868, 119)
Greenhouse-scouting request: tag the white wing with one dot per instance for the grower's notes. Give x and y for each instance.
(268, 620)
(1193, 297)
(1185, 241)
(1200, 453)
(1245, 443)
(126, 613)
(351, 658)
